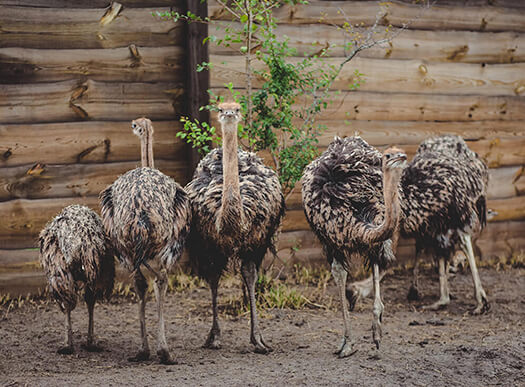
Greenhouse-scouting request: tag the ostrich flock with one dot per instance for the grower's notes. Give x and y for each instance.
(357, 200)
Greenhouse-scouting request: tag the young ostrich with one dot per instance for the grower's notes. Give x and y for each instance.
(350, 198)
(443, 199)
(75, 253)
(237, 208)
(147, 216)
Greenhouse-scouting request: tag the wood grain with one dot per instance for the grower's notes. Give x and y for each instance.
(90, 100)
(394, 75)
(127, 64)
(431, 46)
(84, 142)
(56, 181)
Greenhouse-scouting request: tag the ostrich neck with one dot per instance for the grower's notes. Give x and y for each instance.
(231, 214)
(388, 227)
(147, 150)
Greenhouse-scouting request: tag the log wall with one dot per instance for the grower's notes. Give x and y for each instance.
(73, 74)
(459, 69)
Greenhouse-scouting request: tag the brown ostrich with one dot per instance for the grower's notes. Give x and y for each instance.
(147, 216)
(350, 197)
(237, 208)
(443, 199)
(75, 253)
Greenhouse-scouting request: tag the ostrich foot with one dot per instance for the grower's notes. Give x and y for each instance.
(141, 355)
(260, 346)
(66, 350)
(438, 305)
(213, 341)
(165, 357)
(91, 347)
(377, 332)
(346, 348)
(413, 294)
(482, 308)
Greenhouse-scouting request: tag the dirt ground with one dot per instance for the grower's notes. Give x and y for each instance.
(444, 348)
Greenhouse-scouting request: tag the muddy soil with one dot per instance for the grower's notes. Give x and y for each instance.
(419, 348)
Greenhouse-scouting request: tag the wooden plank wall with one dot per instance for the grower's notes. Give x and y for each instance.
(73, 74)
(460, 68)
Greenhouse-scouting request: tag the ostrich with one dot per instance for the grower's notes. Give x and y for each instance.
(350, 198)
(75, 252)
(237, 208)
(443, 200)
(147, 216)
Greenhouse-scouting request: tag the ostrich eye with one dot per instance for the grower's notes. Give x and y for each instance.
(134, 125)
(388, 155)
(237, 110)
(220, 110)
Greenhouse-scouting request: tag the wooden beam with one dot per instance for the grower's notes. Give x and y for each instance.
(198, 83)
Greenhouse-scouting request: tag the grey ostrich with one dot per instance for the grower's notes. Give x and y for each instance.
(237, 208)
(350, 198)
(147, 216)
(443, 198)
(75, 253)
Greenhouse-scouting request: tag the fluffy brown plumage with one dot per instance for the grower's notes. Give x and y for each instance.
(76, 254)
(350, 200)
(237, 208)
(443, 201)
(147, 216)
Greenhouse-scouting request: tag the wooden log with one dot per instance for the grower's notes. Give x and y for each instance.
(73, 28)
(431, 46)
(23, 219)
(396, 13)
(508, 209)
(91, 3)
(53, 181)
(364, 105)
(17, 257)
(90, 100)
(393, 75)
(127, 64)
(84, 142)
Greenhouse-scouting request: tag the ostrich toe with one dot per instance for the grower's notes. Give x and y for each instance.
(438, 305)
(346, 348)
(413, 294)
(66, 350)
(377, 332)
(140, 356)
(91, 347)
(260, 346)
(213, 341)
(482, 307)
(165, 357)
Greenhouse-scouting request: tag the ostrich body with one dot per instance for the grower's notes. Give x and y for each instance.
(147, 216)
(443, 199)
(350, 197)
(237, 208)
(75, 253)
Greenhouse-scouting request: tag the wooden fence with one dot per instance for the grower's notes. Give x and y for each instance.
(459, 68)
(73, 74)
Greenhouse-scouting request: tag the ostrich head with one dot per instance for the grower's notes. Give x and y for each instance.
(229, 115)
(394, 159)
(142, 127)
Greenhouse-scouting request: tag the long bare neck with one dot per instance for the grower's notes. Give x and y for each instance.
(388, 227)
(231, 214)
(146, 150)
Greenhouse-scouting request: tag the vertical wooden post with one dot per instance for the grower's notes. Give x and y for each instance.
(197, 82)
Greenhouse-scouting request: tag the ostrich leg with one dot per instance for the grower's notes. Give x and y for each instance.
(413, 292)
(481, 298)
(160, 287)
(377, 332)
(214, 337)
(67, 349)
(140, 287)
(249, 274)
(90, 342)
(444, 298)
(347, 346)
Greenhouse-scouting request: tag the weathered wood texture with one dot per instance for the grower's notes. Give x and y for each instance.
(73, 74)
(458, 69)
